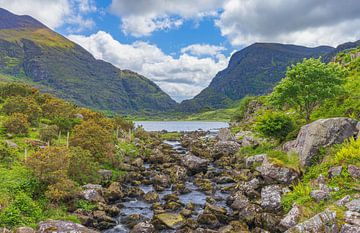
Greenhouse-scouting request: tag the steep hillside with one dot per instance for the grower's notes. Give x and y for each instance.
(252, 71)
(32, 52)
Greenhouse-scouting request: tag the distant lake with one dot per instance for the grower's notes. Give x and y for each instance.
(179, 126)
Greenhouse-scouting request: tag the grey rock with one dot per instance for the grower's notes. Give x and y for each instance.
(60, 226)
(256, 159)
(319, 195)
(271, 197)
(92, 195)
(291, 218)
(246, 138)
(143, 227)
(222, 148)
(92, 186)
(194, 164)
(347, 228)
(11, 144)
(322, 133)
(240, 202)
(335, 171)
(24, 230)
(224, 134)
(322, 222)
(277, 174)
(354, 171)
(105, 174)
(353, 205)
(343, 200)
(352, 217)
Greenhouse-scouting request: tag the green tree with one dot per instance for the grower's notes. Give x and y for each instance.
(49, 133)
(307, 85)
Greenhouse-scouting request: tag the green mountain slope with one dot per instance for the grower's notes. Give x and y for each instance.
(32, 52)
(252, 71)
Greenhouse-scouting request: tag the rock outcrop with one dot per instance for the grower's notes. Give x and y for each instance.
(321, 133)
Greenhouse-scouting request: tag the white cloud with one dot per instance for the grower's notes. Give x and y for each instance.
(181, 77)
(305, 22)
(55, 13)
(142, 17)
(203, 49)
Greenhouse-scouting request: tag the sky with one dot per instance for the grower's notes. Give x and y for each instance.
(182, 44)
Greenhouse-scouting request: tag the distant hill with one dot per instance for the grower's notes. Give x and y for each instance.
(35, 54)
(254, 70)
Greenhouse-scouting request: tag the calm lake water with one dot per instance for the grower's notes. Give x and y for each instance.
(178, 126)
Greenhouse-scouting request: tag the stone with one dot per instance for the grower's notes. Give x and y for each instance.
(11, 144)
(132, 219)
(171, 220)
(240, 202)
(60, 226)
(291, 218)
(246, 138)
(208, 221)
(105, 174)
(322, 133)
(273, 173)
(322, 222)
(319, 195)
(138, 162)
(225, 148)
(343, 200)
(271, 197)
(347, 228)
(353, 205)
(335, 171)
(92, 195)
(143, 227)
(249, 213)
(354, 171)
(24, 230)
(113, 192)
(161, 180)
(254, 160)
(194, 164)
(92, 186)
(224, 134)
(4, 230)
(352, 217)
(151, 197)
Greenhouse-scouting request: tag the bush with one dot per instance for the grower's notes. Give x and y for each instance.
(22, 211)
(49, 133)
(7, 155)
(274, 124)
(26, 106)
(17, 124)
(91, 136)
(242, 108)
(89, 169)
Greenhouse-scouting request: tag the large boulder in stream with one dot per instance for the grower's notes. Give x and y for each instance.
(60, 226)
(321, 133)
(194, 164)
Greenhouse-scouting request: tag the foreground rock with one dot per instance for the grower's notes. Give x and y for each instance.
(322, 222)
(62, 227)
(143, 227)
(321, 133)
(194, 164)
(172, 221)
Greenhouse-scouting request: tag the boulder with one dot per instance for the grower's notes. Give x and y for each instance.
(255, 160)
(240, 201)
(354, 171)
(271, 197)
(161, 180)
(224, 134)
(113, 192)
(171, 220)
(60, 226)
(353, 205)
(208, 221)
(194, 164)
(347, 228)
(222, 148)
(246, 138)
(138, 162)
(352, 217)
(273, 173)
(319, 195)
(322, 222)
(291, 218)
(335, 171)
(322, 133)
(151, 197)
(143, 227)
(92, 195)
(343, 200)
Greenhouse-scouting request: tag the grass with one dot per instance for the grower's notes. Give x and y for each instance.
(170, 136)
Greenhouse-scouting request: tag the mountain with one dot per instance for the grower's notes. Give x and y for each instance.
(340, 48)
(254, 70)
(35, 54)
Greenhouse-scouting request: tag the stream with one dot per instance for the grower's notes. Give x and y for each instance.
(194, 195)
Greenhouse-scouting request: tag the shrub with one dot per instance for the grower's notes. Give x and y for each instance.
(24, 105)
(17, 124)
(63, 190)
(91, 136)
(274, 124)
(7, 154)
(49, 133)
(15, 89)
(22, 211)
(89, 169)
